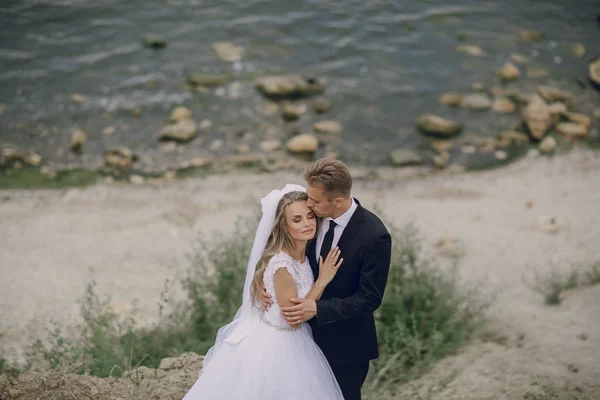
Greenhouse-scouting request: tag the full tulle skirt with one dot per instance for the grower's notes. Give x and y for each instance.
(268, 364)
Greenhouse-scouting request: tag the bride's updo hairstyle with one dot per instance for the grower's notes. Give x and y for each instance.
(279, 239)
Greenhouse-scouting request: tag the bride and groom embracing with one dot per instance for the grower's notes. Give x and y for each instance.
(316, 273)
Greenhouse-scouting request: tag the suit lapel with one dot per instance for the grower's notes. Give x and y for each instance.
(311, 249)
(352, 228)
(349, 233)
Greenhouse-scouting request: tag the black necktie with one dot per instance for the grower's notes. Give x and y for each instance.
(326, 246)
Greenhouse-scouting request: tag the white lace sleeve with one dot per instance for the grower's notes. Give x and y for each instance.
(280, 260)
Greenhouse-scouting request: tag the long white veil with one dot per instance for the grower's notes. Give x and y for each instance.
(237, 329)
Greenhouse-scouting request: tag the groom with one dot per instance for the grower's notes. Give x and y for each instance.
(342, 320)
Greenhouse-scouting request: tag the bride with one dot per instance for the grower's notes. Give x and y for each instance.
(258, 356)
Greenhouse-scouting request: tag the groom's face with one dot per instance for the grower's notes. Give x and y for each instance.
(318, 202)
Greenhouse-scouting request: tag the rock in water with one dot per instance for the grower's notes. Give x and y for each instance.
(199, 79)
(289, 86)
(32, 159)
(503, 105)
(548, 145)
(303, 143)
(552, 94)
(476, 102)
(154, 41)
(530, 35)
(438, 126)
(321, 105)
(78, 139)
(180, 131)
(538, 118)
(292, 112)
(573, 130)
(180, 113)
(228, 51)
(119, 157)
(578, 50)
(331, 127)
(509, 72)
(270, 145)
(470, 50)
(451, 99)
(404, 157)
(580, 119)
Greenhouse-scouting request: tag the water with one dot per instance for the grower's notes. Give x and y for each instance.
(385, 63)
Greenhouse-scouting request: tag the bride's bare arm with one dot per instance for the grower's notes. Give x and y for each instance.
(306, 308)
(285, 287)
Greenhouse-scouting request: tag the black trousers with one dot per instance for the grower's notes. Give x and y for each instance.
(351, 377)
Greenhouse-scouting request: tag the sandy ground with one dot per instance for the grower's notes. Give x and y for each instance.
(130, 239)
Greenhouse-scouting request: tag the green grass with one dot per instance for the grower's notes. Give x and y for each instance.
(29, 178)
(554, 285)
(424, 316)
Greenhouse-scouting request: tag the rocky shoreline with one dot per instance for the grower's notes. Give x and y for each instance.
(550, 118)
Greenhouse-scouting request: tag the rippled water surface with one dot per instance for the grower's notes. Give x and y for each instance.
(385, 62)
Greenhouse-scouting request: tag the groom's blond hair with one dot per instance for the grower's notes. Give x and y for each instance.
(331, 175)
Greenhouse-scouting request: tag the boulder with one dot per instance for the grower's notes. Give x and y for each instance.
(404, 157)
(530, 35)
(292, 111)
(289, 86)
(119, 157)
(537, 73)
(503, 105)
(509, 72)
(154, 41)
(78, 139)
(228, 51)
(321, 105)
(270, 145)
(578, 50)
(469, 49)
(451, 99)
(32, 159)
(548, 145)
(329, 127)
(595, 72)
(510, 138)
(303, 143)
(438, 126)
(552, 94)
(557, 109)
(580, 119)
(180, 113)
(208, 80)
(537, 117)
(573, 130)
(476, 102)
(519, 58)
(181, 131)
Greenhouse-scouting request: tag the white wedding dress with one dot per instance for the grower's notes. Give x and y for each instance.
(272, 361)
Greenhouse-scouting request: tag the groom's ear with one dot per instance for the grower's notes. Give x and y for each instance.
(338, 202)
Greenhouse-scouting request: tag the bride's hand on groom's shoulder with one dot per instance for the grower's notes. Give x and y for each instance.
(265, 299)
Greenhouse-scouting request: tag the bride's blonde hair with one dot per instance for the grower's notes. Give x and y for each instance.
(279, 239)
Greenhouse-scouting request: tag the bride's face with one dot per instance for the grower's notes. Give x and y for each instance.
(301, 221)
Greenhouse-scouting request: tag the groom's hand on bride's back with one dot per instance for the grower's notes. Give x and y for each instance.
(265, 298)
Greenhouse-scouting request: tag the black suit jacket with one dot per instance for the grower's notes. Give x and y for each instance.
(344, 327)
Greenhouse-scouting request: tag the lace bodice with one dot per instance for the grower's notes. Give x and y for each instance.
(302, 275)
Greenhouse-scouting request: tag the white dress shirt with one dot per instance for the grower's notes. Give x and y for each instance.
(341, 222)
